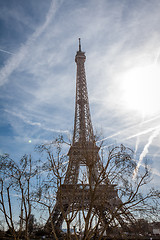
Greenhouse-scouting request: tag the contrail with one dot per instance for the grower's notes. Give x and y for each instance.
(145, 150)
(143, 132)
(138, 138)
(132, 136)
(113, 135)
(120, 132)
(1, 50)
(154, 171)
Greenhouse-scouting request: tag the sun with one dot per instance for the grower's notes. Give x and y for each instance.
(141, 89)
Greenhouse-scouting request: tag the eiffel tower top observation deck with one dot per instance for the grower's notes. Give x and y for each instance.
(83, 130)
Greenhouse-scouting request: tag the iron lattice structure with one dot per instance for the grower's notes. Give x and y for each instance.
(83, 130)
(71, 195)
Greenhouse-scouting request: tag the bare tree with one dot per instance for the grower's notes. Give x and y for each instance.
(110, 200)
(105, 200)
(52, 174)
(16, 193)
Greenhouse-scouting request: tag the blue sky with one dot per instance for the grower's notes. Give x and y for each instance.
(38, 43)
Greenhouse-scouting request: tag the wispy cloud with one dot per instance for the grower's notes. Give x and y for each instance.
(33, 123)
(39, 99)
(16, 59)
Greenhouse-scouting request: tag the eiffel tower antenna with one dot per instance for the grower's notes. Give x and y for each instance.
(79, 45)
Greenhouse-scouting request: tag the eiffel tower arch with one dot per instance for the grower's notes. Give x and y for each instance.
(102, 199)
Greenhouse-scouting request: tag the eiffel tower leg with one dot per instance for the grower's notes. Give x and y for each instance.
(103, 212)
(57, 218)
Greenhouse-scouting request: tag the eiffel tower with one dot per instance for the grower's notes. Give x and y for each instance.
(74, 196)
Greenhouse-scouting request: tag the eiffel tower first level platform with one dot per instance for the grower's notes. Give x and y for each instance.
(75, 196)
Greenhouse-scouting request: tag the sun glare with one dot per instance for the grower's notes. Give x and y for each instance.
(141, 89)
